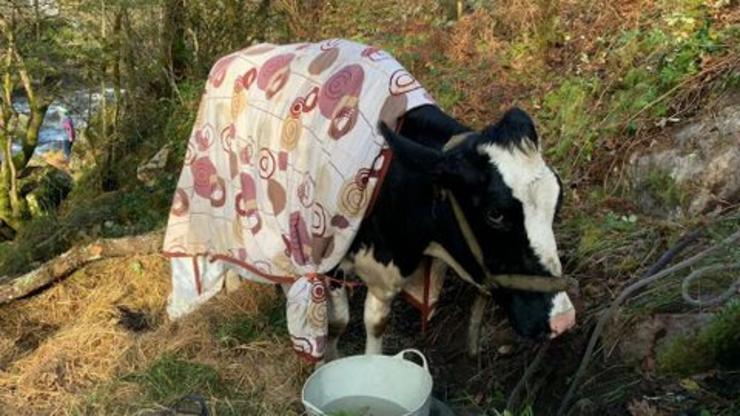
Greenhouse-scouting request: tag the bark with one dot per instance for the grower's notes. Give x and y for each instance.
(33, 128)
(173, 36)
(76, 258)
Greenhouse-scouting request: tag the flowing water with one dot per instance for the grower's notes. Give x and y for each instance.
(81, 104)
(363, 406)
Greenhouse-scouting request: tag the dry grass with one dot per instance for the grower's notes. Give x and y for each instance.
(64, 352)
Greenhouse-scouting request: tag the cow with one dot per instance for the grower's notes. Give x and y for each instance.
(507, 194)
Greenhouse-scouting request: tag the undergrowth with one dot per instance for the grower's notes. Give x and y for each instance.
(717, 343)
(600, 78)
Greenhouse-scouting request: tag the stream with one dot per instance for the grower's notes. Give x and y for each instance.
(80, 104)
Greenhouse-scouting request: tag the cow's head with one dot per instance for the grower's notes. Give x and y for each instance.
(510, 198)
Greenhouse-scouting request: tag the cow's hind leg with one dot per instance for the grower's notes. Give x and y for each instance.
(338, 317)
(377, 313)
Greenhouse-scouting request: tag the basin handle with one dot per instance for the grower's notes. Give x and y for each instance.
(418, 353)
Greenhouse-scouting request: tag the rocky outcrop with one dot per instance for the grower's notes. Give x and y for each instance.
(700, 170)
(152, 170)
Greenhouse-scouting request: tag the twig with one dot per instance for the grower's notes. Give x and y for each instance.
(513, 398)
(728, 293)
(629, 291)
(669, 255)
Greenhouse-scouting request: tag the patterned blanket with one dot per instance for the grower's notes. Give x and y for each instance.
(281, 166)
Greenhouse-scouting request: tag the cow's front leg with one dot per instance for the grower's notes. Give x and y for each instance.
(338, 317)
(384, 282)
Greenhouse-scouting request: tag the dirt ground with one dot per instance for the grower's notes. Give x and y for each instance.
(100, 343)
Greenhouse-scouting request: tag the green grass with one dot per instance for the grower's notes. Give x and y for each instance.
(716, 345)
(165, 383)
(237, 331)
(170, 377)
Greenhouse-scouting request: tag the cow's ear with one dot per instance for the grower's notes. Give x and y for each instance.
(414, 155)
(463, 167)
(457, 167)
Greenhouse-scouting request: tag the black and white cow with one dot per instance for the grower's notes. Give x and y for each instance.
(508, 195)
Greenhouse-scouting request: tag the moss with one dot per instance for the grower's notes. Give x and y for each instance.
(661, 186)
(716, 345)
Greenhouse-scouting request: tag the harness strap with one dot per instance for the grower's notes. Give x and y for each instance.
(510, 281)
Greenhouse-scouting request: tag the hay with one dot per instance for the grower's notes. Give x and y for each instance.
(64, 352)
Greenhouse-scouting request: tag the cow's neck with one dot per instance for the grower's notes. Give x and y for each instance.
(409, 217)
(431, 126)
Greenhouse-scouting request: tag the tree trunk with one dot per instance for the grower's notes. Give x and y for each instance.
(6, 211)
(38, 112)
(174, 58)
(76, 258)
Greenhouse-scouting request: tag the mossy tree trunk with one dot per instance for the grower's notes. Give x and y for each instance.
(12, 208)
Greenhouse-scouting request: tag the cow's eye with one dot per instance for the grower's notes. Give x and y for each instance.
(494, 218)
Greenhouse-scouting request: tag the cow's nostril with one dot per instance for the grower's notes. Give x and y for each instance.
(562, 322)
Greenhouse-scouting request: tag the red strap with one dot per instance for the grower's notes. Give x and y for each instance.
(196, 273)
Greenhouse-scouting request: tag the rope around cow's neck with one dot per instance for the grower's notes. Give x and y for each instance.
(530, 283)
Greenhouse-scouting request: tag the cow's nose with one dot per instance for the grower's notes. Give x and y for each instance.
(562, 322)
(562, 314)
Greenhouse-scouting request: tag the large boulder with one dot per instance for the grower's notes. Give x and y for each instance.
(698, 172)
(152, 169)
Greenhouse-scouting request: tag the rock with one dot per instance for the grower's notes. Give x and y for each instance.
(638, 344)
(698, 173)
(150, 171)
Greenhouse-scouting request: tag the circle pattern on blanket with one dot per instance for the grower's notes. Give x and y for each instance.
(218, 192)
(180, 203)
(323, 61)
(290, 133)
(267, 163)
(276, 195)
(204, 176)
(190, 154)
(316, 315)
(330, 44)
(302, 345)
(310, 100)
(227, 137)
(258, 49)
(245, 154)
(218, 74)
(204, 138)
(402, 82)
(345, 82)
(274, 74)
(306, 191)
(318, 293)
(352, 198)
(238, 103)
(318, 220)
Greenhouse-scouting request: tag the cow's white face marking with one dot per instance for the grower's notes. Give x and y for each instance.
(535, 186)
